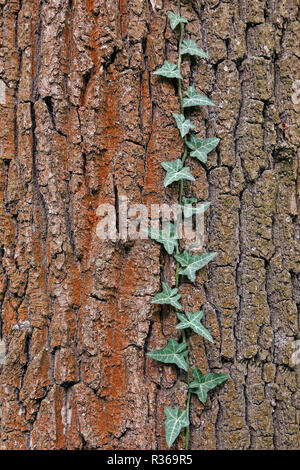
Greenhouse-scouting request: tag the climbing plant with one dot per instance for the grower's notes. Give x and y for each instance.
(186, 264)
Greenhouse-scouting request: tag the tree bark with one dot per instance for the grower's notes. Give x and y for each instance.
(83, 122)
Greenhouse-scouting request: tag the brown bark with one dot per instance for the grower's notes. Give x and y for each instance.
(83, 121)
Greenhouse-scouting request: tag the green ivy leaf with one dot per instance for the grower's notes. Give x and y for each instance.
(168, 297)
(166, 236)
(184, 125)
(201, 147)
(176, 172)
(191, 48)
(191, 200)
(192, 263)
(203, 383)
(168, 70)
(175, 421)
(189, 210)
(175, 19)
(184, 258)
(173, 353)
(193, 321)
(195, 99)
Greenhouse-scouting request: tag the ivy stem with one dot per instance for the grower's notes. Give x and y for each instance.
(180, 195)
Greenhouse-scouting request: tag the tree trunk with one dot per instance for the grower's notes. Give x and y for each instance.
(83, 122)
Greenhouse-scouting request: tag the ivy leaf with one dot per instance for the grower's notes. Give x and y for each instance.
(176, 172)
(192, 320)
(184, 125)
(192, 263)
(175, 421)
(168, 70)
(203, 383)
(173, 353)
(191, 48)
(191, 200)
(184, 258)
(175, 19)
(201, 147)
(168, 297)
(195, 99)
(189, 210)
(166, 236)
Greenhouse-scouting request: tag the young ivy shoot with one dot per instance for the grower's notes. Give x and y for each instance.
(186, 264)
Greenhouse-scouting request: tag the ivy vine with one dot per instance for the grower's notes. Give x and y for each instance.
(186, 264)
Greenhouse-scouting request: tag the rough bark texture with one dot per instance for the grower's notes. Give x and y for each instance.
(83, 121)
